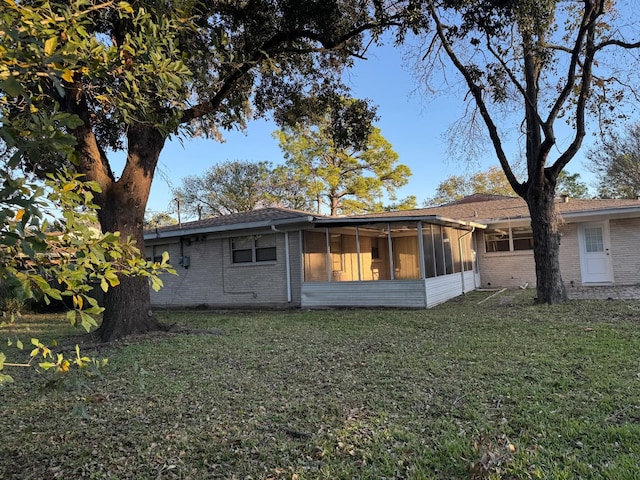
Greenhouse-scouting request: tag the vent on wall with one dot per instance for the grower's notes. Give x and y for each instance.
(185, 261)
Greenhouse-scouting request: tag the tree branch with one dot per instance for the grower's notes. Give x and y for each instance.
(476, 92)
(587, 34)
(617, 43)
(279, 43)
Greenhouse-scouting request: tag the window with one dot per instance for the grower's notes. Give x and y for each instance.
(522, 238)
(438, 248)
(508, 239)
(497, 241)
(375, 249)
(593, 239)
(335, 248)
(315, 256)
(429, 253)
(255, 248)
(450, 245)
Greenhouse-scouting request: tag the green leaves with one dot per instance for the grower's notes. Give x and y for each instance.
(62, 263)
(334, 161)
(3, 377)
(11, 87)
(49, 361)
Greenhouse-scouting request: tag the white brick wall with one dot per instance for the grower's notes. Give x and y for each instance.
(212, 280)
(511, 269)
(625, 250)
(505, 269)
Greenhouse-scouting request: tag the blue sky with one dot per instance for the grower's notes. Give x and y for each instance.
(414, 124)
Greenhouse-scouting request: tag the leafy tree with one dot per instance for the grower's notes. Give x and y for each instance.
(348, 175)
(407, 203)
(289, 189)
(616, 162)
(163, 69)
(65, 264)
(159, 219)
(532, 63)
(230, 187)
(38, 262)
(492, 181)
(571, 185)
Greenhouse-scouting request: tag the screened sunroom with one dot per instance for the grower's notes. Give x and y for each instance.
(400, 263)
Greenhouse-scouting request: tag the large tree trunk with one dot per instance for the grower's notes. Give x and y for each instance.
(123, 203)
(546, 246)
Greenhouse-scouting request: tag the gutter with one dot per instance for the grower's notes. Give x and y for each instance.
(620, 212)
(435, 219)
(228, 227)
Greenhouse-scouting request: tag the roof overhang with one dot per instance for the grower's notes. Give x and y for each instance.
(274, 224)
(361, 221)
(572, 216)
(614, 213)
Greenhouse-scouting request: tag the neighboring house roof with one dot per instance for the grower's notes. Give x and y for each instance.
(489, 209)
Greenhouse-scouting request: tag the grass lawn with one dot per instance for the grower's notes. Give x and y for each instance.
(469, 389)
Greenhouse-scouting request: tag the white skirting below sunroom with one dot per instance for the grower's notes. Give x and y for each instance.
(424, 293)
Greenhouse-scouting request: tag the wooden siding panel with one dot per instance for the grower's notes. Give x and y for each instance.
(364, 294)
(469, 281)
(441, 289)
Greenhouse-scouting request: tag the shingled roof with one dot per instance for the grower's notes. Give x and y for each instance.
(479, 209)
(482, 208)
(255, 218)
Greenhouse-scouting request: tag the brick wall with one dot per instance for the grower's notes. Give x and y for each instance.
(625, 250)
(212, 280)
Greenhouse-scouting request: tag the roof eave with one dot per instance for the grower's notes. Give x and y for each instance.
(436, 219)
(619, 212)
(273, 223)
(628, 211)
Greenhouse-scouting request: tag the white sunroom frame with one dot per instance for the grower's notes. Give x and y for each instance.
(423, 292)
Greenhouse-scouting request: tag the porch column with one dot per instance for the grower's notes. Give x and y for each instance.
(358, 252)
(423, 273)
(328, 256)
(391, 267)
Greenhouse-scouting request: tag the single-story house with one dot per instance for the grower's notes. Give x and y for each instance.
(276, 257)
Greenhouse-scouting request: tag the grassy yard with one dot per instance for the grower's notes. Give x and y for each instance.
(498, 389)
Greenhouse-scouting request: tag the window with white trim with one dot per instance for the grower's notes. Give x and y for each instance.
(253, 249)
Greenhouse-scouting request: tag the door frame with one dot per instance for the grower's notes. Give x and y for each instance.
(607, 277)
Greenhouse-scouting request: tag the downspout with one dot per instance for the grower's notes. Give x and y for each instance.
(286, 260)
(473, 229)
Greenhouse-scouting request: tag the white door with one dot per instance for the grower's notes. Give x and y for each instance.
(595, 258)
